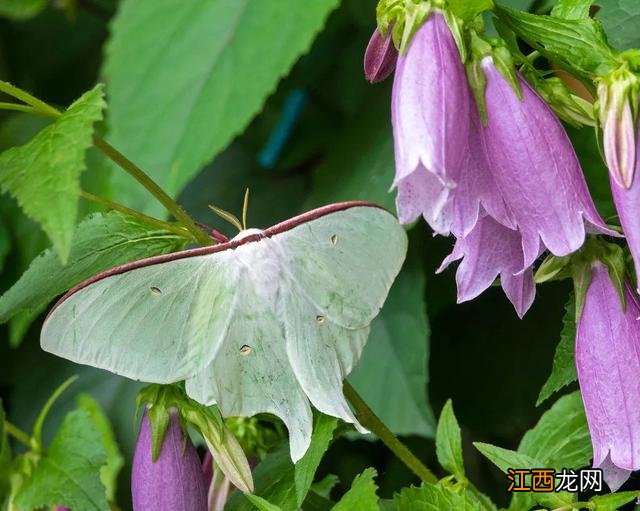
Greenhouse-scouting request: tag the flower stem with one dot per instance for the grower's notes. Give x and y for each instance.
(17, 433)
(27, 98)
(180, 231)
(371, 421)
(139, 175)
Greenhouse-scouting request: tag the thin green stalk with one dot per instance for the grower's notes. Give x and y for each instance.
(180, 231)
(139, 175)
(16, 107)
(372, 422)
(27, 98)
(17, 433)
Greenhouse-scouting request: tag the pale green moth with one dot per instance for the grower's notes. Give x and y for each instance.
(267, 322)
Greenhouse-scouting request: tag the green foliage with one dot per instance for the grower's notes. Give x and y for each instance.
(305, 468)
(613, 501)
(430, 497)
(362, 495)
(394, 361)
(102, 241)
(44, 174)
(467, 10)
(579, 45)
(449, 442)
(110, 470)
(21, 9)
(563, 371)
(217, 62)
(69, 473)
(572, 9)
(5, 459)
(620, 19)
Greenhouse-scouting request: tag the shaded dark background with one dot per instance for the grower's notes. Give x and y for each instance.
(490, 363)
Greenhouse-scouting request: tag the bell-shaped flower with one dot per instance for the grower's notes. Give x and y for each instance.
(488, 251)
(430, 115)
(608, 365)
(536, 170)
(172, 482)
(615, 94)
(627, 202)
(380, 57)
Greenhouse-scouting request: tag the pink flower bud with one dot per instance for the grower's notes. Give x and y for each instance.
(379, 58)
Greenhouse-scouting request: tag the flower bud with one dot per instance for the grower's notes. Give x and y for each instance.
(380, 57)
(172, 482)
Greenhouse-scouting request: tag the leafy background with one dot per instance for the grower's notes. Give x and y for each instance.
(212, 97)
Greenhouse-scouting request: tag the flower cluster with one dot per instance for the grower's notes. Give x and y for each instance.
(488, 161)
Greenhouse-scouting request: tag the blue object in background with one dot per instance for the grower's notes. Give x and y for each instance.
(291, 110)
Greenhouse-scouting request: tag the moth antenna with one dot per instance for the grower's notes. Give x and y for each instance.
(225, 215)
(245, 207)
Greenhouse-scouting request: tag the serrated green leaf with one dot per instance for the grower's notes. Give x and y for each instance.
(362, 494)
(69, 473)
(305, 469)
(217, 61)
(505, 459)
(620, 19)
(449, 442)
(572, 9)
(44, 174)
(394, 361)
(431, 497)
(561, 437)
(563, 371)
(613, 501)
(21, 9)
(102, 241)
(109, 472)
(577, 45)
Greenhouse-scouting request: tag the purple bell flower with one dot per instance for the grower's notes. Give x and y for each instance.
(379, 58)
(174, 482)
(608, 365)
(430, 108)
(536, 170)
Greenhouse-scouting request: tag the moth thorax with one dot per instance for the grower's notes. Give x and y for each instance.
(264, 268)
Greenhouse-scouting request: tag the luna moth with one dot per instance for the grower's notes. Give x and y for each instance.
(264, 323)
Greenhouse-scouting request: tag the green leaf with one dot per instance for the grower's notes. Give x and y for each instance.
(578, 45)
(69, 473)
(109, 472)
(613, 501)
(505, 458)
(342, 177)
(620, 19)
(449, 442)
(281, 483)
(261, 504)
(430, 497)
(362, 495)
(102, 241)
(21, 9)
(323, 428)
(394, 360)
(5, 460)
(563, 371)
(217, 61)
(467, 10)
(572, 9)
(44, 174)
(561, 437)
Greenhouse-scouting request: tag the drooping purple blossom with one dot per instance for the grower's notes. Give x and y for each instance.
(430, 115)
(174, 482)
(380, 57)
(608, 365)
(536, 170)
(488, 251)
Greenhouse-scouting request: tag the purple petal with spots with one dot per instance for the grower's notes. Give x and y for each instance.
(536, 170)
(608, 364)
(175, 481)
